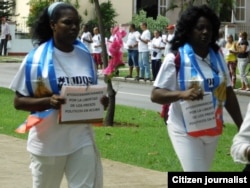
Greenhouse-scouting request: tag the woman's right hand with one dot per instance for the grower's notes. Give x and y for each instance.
(56, 101)
(192, 94)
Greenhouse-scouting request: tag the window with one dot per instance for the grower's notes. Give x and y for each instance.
(162, 7)
(240, 11)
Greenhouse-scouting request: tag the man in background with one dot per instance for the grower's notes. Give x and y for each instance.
(5, 34)
(132, 47)
(166, 39)
(143, 49)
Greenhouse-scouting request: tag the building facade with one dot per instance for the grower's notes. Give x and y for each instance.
(127, 8)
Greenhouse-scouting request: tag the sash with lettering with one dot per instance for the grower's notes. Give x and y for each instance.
(206, 117)
(41, 79)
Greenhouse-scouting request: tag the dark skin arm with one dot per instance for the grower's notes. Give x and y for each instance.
(132, 46)
(37, 104)
(233, 108)
(40, 104)
(247, 153)
(144, 41)
(164, 96)
(87, 40)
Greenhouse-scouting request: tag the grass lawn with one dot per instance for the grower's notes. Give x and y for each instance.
(139, 137)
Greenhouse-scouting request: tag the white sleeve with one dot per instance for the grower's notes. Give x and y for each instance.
(241, 140)
(166, 77)
(148, 35)
(18, 82)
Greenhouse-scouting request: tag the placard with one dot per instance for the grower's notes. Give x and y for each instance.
(82, 104)
(199, 114)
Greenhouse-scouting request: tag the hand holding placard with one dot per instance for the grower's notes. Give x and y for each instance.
(82, 104)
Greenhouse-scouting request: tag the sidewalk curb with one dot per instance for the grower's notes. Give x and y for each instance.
(150, 83)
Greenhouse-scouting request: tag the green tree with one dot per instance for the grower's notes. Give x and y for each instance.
(109, 119)
(37, 6)
(158, 24)
(108, 17)
(7, 8)
(226, 8)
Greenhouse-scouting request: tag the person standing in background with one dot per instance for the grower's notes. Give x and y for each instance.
(143, 49)
(156, 53)
(221, 40)
(132, 47)
(108, 42)
(5, 35)
(242, 60)
(86, 37)
(230, 55)
(97, 48)
(59, 59)
(166, 39)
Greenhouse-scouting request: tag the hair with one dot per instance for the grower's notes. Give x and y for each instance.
(41, 30)
(230, 36)
(188, 19)
(132, 26)
(244, 34)
(144, 24)
(96, 28)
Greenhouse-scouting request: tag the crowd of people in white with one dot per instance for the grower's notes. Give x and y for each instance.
(144, 52)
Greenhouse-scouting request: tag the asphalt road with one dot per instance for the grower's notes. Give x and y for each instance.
(128, 93)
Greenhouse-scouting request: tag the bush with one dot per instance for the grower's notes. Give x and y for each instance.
(159, 24)
(108, 18)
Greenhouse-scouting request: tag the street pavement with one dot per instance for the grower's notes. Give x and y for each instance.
(15, 173)
(14, 159)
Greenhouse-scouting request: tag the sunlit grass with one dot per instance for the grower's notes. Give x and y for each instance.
(138, 137)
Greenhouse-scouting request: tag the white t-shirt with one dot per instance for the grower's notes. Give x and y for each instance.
(168, 46)
(143, 47)
(158, 43)
(132, 40)
(166, 78)
(96, 42)
(108, 43)
(86, 35)
(50, 138)
(5, 30)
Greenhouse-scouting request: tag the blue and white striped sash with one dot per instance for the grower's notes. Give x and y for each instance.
(187, 55)
(40, 66)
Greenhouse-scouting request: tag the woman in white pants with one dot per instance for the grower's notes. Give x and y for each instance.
(198, 87)
(243, 60)
(58, 60)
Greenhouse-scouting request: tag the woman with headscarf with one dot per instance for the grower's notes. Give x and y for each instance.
(59, 59)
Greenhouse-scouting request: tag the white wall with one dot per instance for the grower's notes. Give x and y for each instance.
(22, 10)
(18, 46)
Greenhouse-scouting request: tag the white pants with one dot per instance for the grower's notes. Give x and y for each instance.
(80, 169)
(194, 153)
(242, 65)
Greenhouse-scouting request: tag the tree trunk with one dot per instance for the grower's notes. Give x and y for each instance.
(101, 29)
(109, 119)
